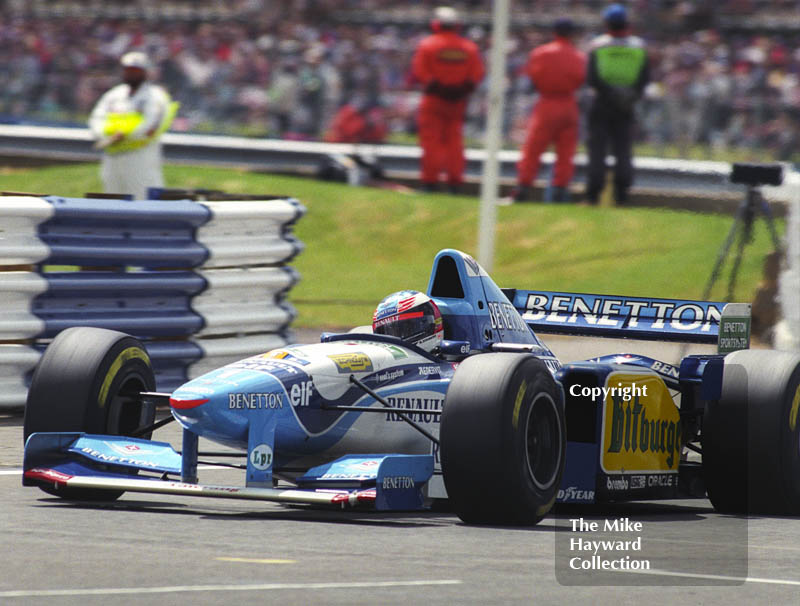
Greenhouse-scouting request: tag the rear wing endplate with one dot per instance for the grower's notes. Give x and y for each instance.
(634, 317)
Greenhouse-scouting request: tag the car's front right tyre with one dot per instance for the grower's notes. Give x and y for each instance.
(89, 380)
(503, 439)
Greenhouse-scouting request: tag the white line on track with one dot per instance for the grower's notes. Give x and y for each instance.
(255, 560)
(713, 577)
(37, 593)
(722, 545)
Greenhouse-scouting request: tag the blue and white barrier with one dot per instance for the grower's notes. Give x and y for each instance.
(201, 283)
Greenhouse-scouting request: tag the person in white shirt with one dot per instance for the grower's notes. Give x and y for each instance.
(127, 123)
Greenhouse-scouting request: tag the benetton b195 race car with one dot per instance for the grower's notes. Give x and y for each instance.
(490, 419)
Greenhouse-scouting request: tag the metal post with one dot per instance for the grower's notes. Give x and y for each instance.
(494, 134)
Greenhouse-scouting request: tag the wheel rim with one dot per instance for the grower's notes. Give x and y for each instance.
(125, 411)
(543, 442)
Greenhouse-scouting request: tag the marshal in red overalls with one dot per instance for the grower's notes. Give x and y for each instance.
(449, 67)
(558, 70)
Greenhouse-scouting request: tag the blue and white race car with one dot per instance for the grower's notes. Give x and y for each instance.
(449, 394)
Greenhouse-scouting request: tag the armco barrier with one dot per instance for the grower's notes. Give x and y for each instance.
(201, 283)
(304, 157)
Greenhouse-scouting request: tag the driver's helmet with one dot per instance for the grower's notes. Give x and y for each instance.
(411, 316)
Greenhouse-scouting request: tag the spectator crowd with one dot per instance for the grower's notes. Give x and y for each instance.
(284, 69)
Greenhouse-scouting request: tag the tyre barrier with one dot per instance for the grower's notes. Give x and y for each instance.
(202, 284)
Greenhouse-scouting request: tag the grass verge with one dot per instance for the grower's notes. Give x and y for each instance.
(363, 243)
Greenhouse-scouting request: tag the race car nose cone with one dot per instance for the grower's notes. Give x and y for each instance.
(221, 405)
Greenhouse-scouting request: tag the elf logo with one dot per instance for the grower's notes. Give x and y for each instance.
(300, 393)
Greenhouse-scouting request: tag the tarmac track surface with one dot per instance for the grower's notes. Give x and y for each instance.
(152, 549)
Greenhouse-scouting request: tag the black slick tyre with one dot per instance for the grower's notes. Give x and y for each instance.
(751, 436)
(503, 439)
(88, 380)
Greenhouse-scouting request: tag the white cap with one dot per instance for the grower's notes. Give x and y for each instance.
(135, 59)
(446, 15)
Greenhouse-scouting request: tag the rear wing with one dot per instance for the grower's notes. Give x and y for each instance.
(634, 317)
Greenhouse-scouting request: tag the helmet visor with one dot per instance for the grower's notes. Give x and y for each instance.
(408, 326)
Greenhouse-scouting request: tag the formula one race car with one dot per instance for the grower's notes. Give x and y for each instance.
(449, 394)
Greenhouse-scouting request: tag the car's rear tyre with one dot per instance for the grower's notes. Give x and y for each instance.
(88, 380)
(751, 436)
(503, 439)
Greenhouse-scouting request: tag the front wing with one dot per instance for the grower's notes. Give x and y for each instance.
(76, 461)
(59, 477)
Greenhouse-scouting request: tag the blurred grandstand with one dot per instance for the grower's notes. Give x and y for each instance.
(726, 73)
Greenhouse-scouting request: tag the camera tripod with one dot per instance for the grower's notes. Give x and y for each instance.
(752, 204)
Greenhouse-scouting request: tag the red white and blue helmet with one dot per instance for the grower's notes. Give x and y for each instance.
(412, 316)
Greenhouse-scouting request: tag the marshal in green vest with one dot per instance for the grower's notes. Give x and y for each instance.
(620, 65)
